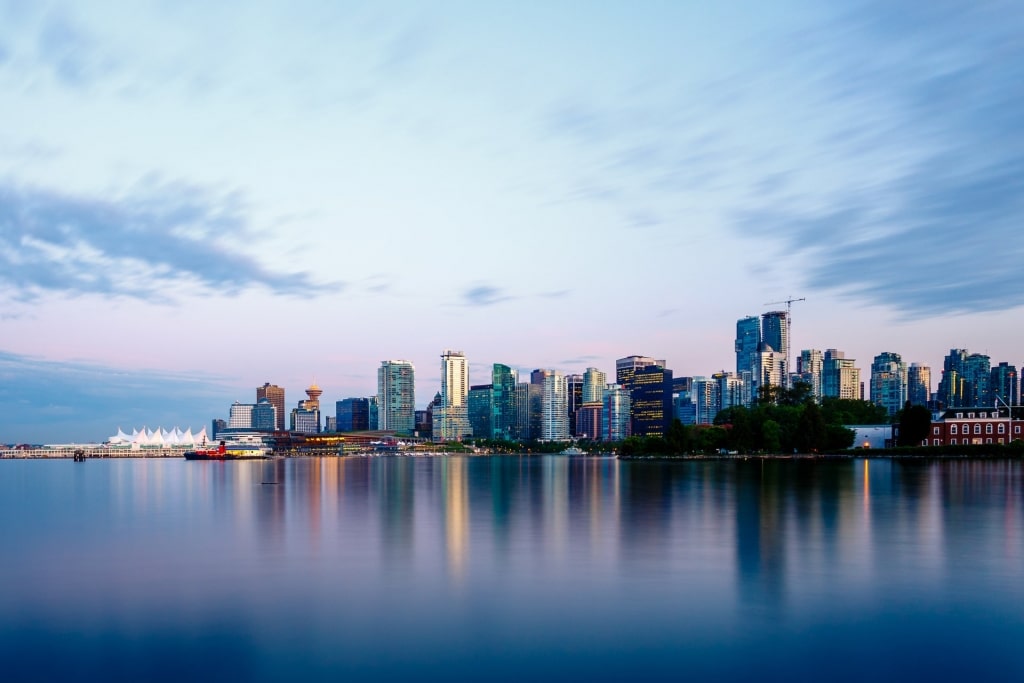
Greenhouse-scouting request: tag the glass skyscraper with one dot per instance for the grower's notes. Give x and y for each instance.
(396, 400)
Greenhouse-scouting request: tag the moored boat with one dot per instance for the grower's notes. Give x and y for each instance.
(243, 450)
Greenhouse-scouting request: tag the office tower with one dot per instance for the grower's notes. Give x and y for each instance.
(615, 413)
(574, 396)
(919, 384)
(538, 375)
(396, 400)
(330, 423)
(527, 407)
(479, 407)
(625, 367)
(684, 409)
(594, 382)
(705, 399)
(588, 421)
(748, 339)
(554, 425)
(650, 396)
(503, 402)
(424, 426)
(264, 415)
(775, 334)
(965, 380)
(305, 420)
(451, 418)
(312, 407)
(373, 410)
(217, 426)
(352, 414)
(840, 379)
(769, 370)
(1004, 385)
(730, 390)
(240, 415)
(809, 369)
(275, 395)
(889, 382)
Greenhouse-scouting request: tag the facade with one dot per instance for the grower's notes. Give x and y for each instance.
(650, 396)
(919, 384)
(1004, 384)
(521, 403)
(840, 379)
(503, 402)
(770, 370)
(809, 368)
(615, 413)
(264, 415)
(217, 426)
(730, 390)
(396, 400)
(594, 382)
(705, 400)
(775, 334)
(889, 382)
(748, 340)
(352, 414)
(554, 424)
(974, 426)
(588, 421)
(275, 395)
(305, 420)
(240, 415)
(574, 395)
(451, 418)
(625, 367)
(965, 380)
(479, 406)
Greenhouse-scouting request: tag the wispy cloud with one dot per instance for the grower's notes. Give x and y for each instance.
(484, 295)
(141, 245)
(933, 225)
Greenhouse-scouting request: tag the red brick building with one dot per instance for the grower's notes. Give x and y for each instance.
(981, 425)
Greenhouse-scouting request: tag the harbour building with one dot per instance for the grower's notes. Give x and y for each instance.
(396, 400)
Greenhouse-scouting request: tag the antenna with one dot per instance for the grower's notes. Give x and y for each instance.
(789, 332)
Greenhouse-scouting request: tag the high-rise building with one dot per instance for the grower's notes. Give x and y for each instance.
(770, 370)
(503, 402)
(396, 399)
(978, 372)
(775, 333)
(840, 377)
(275, 395)
(889, 382)
(451, 419)
(217, 426)
(554, 425)
(373, 410)
(809, 368)
(1004, 384)
(264, 415)
(538, 375)
(705, 399)
(965, 380)
(625, 367)
(615, 413)
(574, 399)
(650, 396)
(748, 339)
(305, 420)
(479, 407)
(352, 414)
(588, 421)
(730, 390)
(527, 406)
(240, 415)
(594, 382)
(919, 384)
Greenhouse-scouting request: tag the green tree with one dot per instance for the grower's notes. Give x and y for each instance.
(915, 424)
(770, 436)
(812, 432)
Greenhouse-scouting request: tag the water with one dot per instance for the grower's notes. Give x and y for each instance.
(511, 569)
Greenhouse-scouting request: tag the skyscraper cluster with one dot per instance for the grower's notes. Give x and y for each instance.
(643, 400)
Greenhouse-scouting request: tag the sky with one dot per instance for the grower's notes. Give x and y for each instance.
(197, 198)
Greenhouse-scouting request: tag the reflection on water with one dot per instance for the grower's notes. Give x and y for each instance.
(543, 567)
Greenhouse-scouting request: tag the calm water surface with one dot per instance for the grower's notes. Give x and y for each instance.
(511, 568)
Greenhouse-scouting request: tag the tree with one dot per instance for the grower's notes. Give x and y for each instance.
(915, 424)
(812, 432)
(770, 433)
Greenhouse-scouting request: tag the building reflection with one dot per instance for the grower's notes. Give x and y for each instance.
(456, 514)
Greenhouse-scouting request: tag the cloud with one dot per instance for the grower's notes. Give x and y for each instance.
(929, 219)
(54, 402)
(144, 245)
(72, 54)
(483, 295)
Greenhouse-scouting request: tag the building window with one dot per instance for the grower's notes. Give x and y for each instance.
(988, 440)
(1016, 429)
(935, 431)
(977, 429)
(970, 416)
(959, 416)
(935, 442)
(1002, 428)
(952, 430)
(988, 428)
(952, 442)
(982, 414)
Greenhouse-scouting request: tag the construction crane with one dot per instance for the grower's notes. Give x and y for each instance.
(789, 332)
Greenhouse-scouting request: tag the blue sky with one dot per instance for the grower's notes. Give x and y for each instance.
(200, 197)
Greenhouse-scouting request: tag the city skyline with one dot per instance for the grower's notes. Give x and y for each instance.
(196, 200)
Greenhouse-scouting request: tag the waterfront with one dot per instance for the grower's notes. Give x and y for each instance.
(512, 568)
